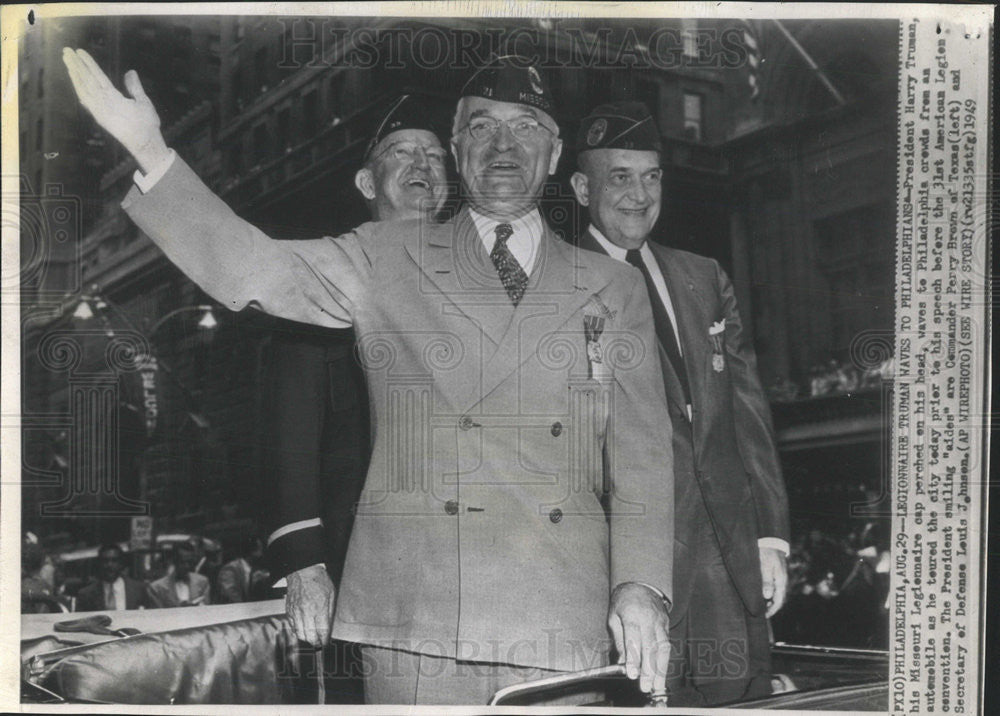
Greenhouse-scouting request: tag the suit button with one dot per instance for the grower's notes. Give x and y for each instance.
(556, 516)
(465, 423)
(556, 429)
(451, 507)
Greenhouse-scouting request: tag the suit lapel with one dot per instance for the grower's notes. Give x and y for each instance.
(454, 261)
(560, 285)
(672, 385)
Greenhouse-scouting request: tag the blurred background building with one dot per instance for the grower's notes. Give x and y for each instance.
(780, 155)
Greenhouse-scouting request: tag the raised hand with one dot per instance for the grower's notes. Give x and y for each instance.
(309, 602)
(132, 121)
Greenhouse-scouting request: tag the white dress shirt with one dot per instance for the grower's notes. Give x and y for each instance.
(114, 594)
(523, 243)
(183, 590)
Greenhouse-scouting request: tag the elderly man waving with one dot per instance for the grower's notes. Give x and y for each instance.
(505, 368)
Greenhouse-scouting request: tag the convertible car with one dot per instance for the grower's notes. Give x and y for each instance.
(248, 654)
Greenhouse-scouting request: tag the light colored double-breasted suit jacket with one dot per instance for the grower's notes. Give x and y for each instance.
(480, 532)
(725, 454)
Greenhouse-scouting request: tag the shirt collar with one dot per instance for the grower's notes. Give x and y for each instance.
(530, 223)
(525, 240)
(617, 252)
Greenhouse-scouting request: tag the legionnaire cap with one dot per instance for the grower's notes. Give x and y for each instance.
(619, 125)
(511, 78)
(408, 111)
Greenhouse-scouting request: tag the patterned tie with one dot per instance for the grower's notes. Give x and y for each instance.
(665, 330)
(512, 276)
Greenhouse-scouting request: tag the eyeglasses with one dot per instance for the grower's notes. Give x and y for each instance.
(524, 129)
(408, 151)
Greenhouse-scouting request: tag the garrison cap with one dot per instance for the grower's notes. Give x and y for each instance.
(408, 111)
(511, 78)
(619, 125)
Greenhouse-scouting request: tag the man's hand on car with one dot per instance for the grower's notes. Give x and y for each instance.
(640, 625)
(309, 602)
(774, 578)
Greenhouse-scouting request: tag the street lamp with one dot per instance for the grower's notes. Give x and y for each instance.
(207, 321)
(94, 303)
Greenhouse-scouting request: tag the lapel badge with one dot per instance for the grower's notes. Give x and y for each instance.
(601, 308)
(717, 332)
(593, 327)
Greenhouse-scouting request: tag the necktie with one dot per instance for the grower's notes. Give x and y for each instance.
(665, 332)
(512, 276)
(109, 597)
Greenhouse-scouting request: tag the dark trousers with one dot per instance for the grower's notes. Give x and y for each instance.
(720, 652)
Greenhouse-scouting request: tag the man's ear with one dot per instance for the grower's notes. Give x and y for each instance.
(365, 182)
(557, 146)
(454, 156)
(581, 187)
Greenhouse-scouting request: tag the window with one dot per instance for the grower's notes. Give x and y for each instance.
(310, 113)
(261, 142)
(236, 91)
(692, 116)
(260, 68)
(689, 37)
(648, 91)
(854, 253)
(284, 127)
(234, 164)
(335, 94)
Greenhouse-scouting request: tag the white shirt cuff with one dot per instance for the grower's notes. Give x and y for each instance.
(293, 527)
(659, 593)
(145, 182)
(774, 543)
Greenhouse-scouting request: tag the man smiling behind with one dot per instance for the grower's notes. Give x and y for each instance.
(318, 446)
(731, 531)
(403, 176)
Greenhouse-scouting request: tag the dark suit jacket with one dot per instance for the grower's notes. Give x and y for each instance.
(726, 455)
(317, 445)
(91, 597)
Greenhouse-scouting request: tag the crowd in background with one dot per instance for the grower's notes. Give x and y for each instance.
(189, 573)
(838, 582)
